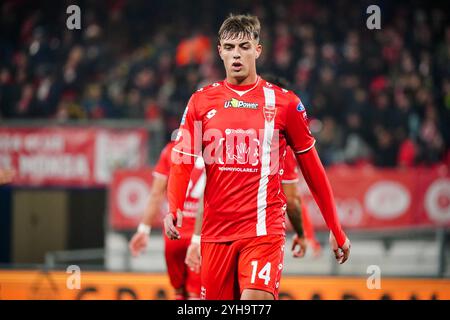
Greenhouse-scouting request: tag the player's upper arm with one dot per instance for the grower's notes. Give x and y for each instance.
(298, 135)
(159, 186)
(189, 137)
(162, 168)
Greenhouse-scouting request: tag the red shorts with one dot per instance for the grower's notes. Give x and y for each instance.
(252, 263)
(179, 273)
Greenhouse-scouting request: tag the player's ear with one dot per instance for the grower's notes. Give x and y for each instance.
(219, 49)
(258, 50)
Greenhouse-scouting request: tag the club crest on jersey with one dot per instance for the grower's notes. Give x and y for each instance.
(269, 113)
(235, 103)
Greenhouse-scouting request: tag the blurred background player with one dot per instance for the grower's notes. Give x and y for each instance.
(185, 281)
(243, 232)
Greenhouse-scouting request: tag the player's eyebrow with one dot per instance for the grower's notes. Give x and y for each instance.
(232, 45)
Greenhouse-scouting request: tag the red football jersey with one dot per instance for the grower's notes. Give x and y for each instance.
(195, 189)
(290, 171)
(242, 133)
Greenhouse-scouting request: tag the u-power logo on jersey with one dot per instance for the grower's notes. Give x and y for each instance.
(235, 103)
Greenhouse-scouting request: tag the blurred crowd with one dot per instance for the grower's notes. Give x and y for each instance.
(373, 96)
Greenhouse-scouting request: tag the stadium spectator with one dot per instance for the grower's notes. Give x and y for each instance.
(133, 60)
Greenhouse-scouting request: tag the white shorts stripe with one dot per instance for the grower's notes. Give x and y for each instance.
(261, 229)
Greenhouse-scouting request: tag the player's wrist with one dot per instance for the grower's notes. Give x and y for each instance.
(300, 234)
(339, 237)
(172, 215)
(196, 239)
(144, 228)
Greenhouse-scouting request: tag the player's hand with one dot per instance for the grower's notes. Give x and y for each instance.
(341, 253)
(193, 258)
(6, 175)
(169, 227)
(138, 243)
(298, 246)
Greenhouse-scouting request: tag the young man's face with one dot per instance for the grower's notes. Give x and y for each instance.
(239, 56)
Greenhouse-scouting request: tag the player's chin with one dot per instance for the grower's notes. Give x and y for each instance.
(240, 75)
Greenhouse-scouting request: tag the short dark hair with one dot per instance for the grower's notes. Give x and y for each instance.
(236, 26)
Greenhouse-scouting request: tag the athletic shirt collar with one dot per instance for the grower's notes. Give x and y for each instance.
(242, 89)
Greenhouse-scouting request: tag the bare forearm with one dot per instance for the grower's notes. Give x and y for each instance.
(153, 208)
(198, 223)
(294, 210)
(199, 217)
(295, 217)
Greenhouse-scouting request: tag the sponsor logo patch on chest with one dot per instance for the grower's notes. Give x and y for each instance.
(235, 103)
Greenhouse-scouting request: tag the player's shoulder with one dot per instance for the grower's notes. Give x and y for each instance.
(209, 89)
(167, 149)
(284, 97)
(280, 92)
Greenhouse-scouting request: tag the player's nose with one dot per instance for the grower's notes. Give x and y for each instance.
(236, 53)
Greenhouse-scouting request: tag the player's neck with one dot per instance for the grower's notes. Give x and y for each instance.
(237, 84)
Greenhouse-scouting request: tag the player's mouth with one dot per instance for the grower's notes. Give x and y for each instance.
(236, 66)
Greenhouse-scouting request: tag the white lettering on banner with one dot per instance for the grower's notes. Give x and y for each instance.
(387, 200)
(32, 142)
(437, 200)
(113, 150)
(43, 142)
(10, 142)
(66, 166)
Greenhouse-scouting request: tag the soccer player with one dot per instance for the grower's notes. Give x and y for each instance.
(241, 126)
(185, 282)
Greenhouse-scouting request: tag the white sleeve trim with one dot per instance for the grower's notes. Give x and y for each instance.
(186, 153)
(159, 175)
(304, 150)
(289, 181)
